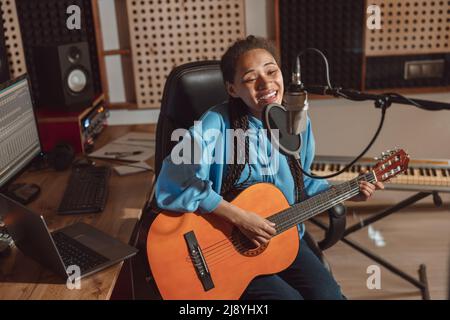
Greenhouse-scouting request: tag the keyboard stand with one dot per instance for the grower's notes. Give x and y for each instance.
(422, 283)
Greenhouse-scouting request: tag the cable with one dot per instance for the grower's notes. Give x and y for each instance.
(327, 67)
(380, 126)
(338, 93)
(418, 105)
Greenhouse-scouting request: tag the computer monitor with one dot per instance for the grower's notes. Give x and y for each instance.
(19, 136)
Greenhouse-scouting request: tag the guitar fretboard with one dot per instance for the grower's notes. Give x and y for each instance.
(307, 209)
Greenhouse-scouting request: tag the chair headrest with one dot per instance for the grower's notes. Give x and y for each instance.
(190, 90)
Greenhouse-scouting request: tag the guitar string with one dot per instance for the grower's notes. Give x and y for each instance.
(231, 247)
(224, 256)
(212, 260)
(211, 247)
(286, 223)
(282, 224)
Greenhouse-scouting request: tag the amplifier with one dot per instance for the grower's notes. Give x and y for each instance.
(79, 129)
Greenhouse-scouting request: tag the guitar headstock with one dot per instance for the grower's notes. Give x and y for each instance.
(390, 164)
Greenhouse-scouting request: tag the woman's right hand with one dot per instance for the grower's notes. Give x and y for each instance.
(253, 226)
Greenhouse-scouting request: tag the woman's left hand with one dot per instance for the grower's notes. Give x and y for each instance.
(367, 189)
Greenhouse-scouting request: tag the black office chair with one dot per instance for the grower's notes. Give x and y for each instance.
(189, 91)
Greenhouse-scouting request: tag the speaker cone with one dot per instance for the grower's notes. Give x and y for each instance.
(77, 80)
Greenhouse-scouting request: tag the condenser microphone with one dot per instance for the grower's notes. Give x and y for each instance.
(295, 101)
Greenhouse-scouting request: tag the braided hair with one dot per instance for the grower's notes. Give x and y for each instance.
(238, 112)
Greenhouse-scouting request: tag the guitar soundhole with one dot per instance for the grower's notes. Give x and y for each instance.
(244, 245)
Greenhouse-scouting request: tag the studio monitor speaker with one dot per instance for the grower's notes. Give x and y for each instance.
(64, 76)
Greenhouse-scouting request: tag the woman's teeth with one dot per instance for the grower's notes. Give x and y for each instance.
(268, 96)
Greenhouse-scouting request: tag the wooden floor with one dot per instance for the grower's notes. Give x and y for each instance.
(413, 236)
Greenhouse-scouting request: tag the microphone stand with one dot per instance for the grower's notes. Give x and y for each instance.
(384, 101)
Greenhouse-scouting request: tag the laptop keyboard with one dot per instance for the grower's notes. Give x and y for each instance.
(73, 252)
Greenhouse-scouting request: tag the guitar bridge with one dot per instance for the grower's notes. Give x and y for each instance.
(199, 261)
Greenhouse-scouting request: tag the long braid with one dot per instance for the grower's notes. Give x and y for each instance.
(238, 120)
(297, 175)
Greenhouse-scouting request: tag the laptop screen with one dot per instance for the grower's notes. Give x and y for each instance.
(30, 234)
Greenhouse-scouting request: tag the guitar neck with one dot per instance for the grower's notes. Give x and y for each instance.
(311, 207)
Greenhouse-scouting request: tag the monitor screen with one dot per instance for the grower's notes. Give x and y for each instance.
(19, 138)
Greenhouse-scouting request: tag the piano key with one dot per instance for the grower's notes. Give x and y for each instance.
(440, 179)
(420, 176)
(433, 172)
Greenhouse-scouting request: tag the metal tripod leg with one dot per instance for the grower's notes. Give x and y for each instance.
(422, 283)
(403, 204)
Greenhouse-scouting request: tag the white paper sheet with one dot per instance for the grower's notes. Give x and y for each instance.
(135, 167)
(134, 146)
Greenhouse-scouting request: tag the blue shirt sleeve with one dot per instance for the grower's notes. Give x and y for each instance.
(184, 183)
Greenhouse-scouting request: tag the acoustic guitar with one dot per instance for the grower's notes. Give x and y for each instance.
(201, 256)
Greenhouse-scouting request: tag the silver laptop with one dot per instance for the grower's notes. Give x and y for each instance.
(78, 245)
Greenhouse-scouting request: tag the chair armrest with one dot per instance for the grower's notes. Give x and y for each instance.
(336, 226)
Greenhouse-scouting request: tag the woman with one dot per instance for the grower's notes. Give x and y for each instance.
(253, 80)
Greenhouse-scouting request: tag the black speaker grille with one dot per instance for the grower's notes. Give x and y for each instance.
(334, 27)
(4, 65)
(43, 22)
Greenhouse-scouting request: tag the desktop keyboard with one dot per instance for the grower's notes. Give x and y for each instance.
(73, 252)
(86, 191)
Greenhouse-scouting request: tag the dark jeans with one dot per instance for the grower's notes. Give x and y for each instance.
(306, 278)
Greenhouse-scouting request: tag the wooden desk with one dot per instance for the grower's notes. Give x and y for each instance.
(23, 278)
